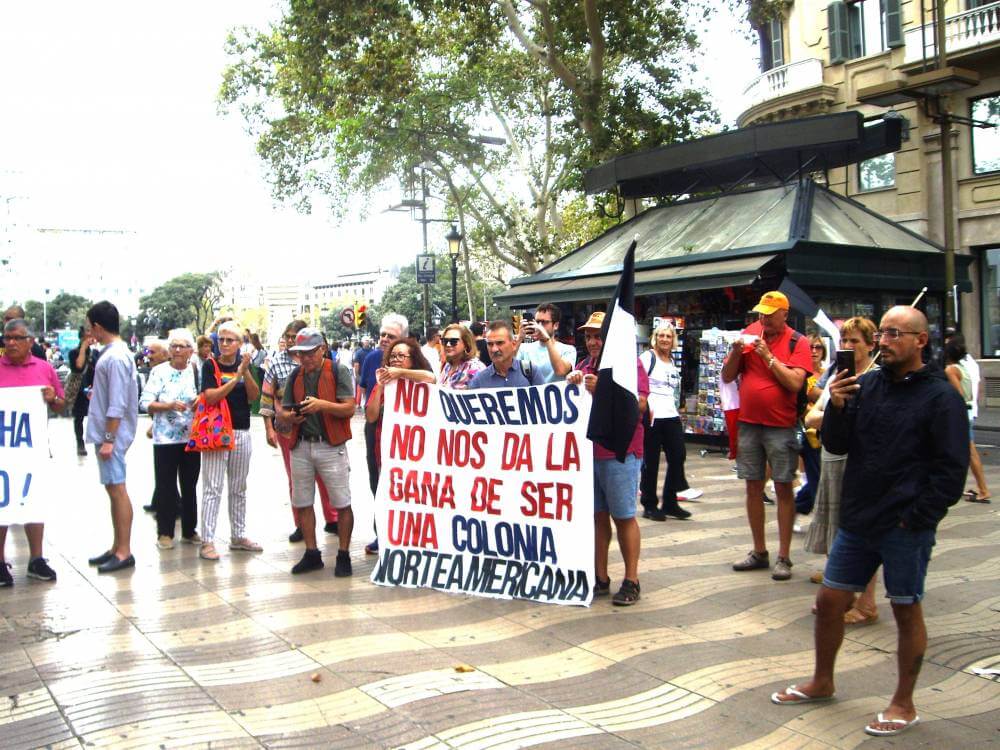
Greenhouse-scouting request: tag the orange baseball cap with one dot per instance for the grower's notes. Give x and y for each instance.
(772, 302)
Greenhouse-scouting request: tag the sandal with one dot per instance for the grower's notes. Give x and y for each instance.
(245, 545)
(816, 577)
(896, 725)
(855, 616)
(973, 497)
(207, 552)
(794, 696)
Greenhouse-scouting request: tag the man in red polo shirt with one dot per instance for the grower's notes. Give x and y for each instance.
(771, 361)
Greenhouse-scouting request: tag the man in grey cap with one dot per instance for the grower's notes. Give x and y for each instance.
(317, 407)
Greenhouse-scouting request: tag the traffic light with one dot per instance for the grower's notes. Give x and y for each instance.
(360, 314)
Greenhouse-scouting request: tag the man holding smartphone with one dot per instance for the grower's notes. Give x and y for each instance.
(538, 345)
(771, 361)
(906, 435)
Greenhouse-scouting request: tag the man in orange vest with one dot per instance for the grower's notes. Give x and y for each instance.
(318, 405)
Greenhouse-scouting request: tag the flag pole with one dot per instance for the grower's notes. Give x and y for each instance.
(912, 304)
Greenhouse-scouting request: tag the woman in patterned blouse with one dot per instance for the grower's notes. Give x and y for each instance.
(169, 394)
(461, 358)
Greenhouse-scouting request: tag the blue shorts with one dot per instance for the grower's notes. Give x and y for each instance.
(113, 470)
(902, 553)
(616, 486)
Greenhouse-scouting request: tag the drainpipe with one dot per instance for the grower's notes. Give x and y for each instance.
(947, 184)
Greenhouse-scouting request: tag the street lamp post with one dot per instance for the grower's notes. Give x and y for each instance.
(45, 313)
(454, 247)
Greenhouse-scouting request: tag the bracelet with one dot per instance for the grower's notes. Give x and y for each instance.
(770, 365)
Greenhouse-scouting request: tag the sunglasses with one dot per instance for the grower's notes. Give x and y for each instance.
(228, 341)
(450, 341)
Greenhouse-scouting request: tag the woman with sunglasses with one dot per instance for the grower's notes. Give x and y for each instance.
(236, 385)
(461, 358)
(403, 360)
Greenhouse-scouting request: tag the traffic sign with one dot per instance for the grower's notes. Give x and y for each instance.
(425, 269)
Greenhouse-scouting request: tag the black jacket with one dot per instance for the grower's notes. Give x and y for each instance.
(907, 446)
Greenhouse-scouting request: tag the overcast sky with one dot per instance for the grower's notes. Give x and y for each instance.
(110, 121)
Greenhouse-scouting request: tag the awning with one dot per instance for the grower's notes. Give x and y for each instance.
(681, 278)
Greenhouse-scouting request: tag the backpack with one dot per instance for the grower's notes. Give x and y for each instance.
(525, 369)
(802, 397)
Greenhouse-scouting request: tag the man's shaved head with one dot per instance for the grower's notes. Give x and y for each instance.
(911, 317)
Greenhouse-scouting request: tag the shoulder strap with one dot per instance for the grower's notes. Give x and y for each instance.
(525, 368)
(793, 341)
(197, 378)
(652, 361)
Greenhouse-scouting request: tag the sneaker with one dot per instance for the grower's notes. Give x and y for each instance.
(372, 548)
(6, 579)
(654, 514)
(343, 567)
(690, 494)
(627, 595)
(165, 542)
(676, 512)
(768, 500)
(331, 528)
(149, 508)
(245, 545)
(782, 569)
(798, 528)
(602, 588)
(195, 538)
(295, 536)
(81, 449)
(753, 561)
(311, 560)
(40, 570)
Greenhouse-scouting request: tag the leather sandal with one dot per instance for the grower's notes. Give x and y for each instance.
(207, 552)
(855, 616)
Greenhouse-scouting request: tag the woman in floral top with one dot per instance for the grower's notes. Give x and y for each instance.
(169, 396)
(461, 358)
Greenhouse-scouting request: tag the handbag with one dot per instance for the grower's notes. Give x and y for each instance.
(72, 388)
(212, 425)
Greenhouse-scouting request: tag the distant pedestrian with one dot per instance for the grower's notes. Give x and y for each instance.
(478, 331)
(19, 368)
(111, 425)
(82, 360)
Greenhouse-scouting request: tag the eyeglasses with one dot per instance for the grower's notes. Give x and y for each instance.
(450, 342)
(7, 337)
(891, 334)
(397, 355)
(177, 347)
(289, 337)
(228, 341)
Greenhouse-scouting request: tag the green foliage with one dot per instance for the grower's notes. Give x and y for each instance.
(67, 310)
(345, 96)
(186, 301)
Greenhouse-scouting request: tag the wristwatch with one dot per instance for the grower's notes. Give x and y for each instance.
(109, 437)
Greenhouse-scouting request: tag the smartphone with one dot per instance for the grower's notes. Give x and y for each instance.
(845, 361)
(297, 408)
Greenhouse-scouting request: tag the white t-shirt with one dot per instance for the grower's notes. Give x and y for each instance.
(664, 385)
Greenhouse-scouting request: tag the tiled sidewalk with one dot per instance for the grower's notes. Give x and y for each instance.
(187, 653)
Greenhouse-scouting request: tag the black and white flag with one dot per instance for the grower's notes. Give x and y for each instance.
(615, 412)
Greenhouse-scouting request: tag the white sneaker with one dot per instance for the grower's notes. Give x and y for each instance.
(690, 494)
(797, 529)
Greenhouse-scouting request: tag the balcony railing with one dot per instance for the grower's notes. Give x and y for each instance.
(964, 31)
(782, 80)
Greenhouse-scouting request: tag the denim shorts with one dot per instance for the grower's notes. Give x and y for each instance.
(902, 553)
(760, 445)
(112, 471)
(616, 486)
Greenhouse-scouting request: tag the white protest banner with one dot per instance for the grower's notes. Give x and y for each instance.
(487, 492)
(24, 455)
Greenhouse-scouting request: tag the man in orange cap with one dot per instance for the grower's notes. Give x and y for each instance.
(771, 361)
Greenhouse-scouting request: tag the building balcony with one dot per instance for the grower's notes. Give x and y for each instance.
(965, 33)
(796, 88)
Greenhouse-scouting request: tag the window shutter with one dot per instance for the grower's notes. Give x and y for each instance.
(777, 44)
(836, 16)
(765, 51)
(893, 24)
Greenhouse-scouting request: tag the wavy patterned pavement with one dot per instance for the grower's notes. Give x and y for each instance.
(184, 653)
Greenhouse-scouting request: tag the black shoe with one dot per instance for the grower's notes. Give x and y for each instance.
(101, 558)
(768, 500)
(39, 568)
(6, 579)
(343, 567)
(602, 588)
(311, 560)
(676, 512)
(331, 528)
(627, 595)
(653, 515)
(81, 449)
(149, 508)
(115, 564)
(295, 536)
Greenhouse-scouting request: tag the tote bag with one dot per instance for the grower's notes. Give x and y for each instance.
(212, 426)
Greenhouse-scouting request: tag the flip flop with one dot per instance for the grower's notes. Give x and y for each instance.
(855, 616)
(972, 496)
(798, 696)
(901, 726)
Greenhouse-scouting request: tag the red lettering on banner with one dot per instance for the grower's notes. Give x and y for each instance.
(408, 529)
(421, 488)
(485, 495)
(516, 452)
(569, 458)
(407, 444)
(411, 397)
(460, 448)
(540, 496)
